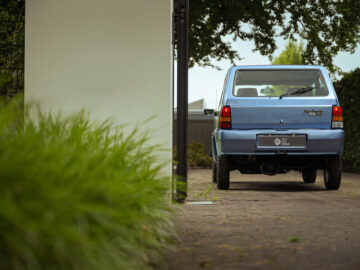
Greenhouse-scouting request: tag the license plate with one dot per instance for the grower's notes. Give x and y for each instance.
(283, 141)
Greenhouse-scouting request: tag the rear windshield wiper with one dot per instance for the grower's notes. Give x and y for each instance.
(298, 91)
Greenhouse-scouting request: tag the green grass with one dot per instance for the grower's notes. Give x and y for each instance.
(78, 195)
(294, 239)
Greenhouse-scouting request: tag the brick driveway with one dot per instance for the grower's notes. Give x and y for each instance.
(268, 222)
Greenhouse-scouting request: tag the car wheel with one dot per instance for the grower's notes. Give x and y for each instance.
(223, 173)
(214, 173)
(332, 174)
(309, 176)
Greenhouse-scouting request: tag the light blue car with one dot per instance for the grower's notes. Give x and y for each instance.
(273, 119)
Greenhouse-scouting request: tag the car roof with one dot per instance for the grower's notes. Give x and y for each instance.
(256, 67)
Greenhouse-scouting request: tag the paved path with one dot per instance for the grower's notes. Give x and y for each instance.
(268, 222)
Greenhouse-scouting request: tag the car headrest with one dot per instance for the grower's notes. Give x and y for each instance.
(247, 92)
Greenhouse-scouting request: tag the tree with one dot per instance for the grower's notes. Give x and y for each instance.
(12, 16)
(348, 91)
(292, 55)
(326, 26)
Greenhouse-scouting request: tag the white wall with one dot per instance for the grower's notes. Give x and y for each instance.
(112, 57)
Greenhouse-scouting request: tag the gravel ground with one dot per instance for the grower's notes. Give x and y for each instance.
(268, 222)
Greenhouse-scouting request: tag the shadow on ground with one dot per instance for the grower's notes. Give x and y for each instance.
(278, 186)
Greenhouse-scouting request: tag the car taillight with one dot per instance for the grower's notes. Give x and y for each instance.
(225, 118)
(337, 119)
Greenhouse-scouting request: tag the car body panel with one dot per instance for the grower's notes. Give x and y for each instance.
(247, 115)
(244, 142)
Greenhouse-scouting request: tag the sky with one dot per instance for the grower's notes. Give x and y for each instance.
(207, 82)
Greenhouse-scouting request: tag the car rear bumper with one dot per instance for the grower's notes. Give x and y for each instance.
(244, 142)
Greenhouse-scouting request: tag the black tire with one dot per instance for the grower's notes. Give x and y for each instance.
(332, 175)
(223, 173)
(214, 173)
(309, 176)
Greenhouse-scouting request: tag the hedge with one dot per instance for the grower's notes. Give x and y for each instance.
(348, 91)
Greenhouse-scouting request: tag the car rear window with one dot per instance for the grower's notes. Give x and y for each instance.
(275, 83)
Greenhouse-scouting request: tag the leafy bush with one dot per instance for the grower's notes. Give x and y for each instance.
(348, 91)
(78, 195)
(197, 155)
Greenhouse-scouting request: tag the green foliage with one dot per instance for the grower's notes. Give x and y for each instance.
(348, 91)
(78, 195)
(326, 26)
(205, 193)
(294, 239)
(292, 55)
(12, 35)
(197, 156)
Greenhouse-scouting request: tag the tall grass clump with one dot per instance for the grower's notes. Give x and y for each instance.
(78, 195)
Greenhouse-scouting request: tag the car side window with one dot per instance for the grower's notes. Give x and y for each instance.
(222, 94)
(321, 90)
